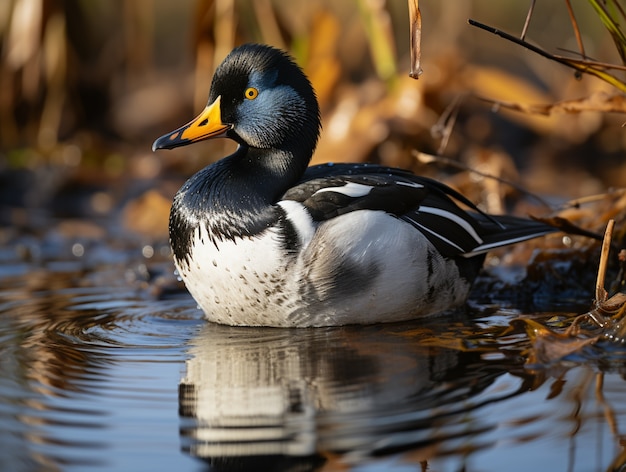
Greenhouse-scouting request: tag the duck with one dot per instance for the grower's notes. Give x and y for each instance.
(261, 238)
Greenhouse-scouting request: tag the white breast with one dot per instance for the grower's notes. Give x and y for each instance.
(363, 267)
(242, 282)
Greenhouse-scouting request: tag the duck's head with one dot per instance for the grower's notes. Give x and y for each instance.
(260, 98)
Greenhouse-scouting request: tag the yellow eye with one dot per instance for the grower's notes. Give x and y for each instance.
(251, 93)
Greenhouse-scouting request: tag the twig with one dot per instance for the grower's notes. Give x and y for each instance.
(576, 29)
(415, 20)
(590, 63)
(515, 40)
(527, 22)
(428, 158)
(601, 293)
(576, 203)
(445, 124)
(573, 64)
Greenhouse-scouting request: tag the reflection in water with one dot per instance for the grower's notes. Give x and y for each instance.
(360, 391)
(70, 339)
(449, 395)
(92, 354)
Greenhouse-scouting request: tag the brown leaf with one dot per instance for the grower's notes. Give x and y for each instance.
(549, 346)
(599, 101)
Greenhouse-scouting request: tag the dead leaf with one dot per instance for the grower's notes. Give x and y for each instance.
(599, 101)
(550, 346)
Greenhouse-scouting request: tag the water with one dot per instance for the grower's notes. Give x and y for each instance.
(106, 364)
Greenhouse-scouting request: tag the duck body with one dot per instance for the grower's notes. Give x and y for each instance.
(292, 264)
(261, 240)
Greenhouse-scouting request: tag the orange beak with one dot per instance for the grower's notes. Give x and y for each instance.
(206, 125)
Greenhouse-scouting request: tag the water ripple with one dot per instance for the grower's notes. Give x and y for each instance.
(81, 353)
(105, 363)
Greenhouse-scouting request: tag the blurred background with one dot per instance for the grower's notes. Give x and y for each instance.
(87, 85)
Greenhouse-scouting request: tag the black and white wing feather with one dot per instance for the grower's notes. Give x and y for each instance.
(328, 191)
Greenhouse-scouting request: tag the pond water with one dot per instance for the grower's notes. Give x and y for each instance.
(106, 364)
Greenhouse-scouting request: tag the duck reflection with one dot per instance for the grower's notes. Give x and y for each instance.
(256, 392)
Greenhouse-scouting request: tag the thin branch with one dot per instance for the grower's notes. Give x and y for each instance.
(445, 124)
(590, 63)
(515, 40)
(573, 64)
(415, 25)
(527, 22)
(572, 18)
(601, 294)
(430, 158)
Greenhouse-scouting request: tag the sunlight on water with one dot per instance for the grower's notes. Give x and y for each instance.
(105, 364)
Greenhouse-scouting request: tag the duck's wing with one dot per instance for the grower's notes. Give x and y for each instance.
(329, 191)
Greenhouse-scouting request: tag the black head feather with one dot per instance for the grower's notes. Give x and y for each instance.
(289, 122)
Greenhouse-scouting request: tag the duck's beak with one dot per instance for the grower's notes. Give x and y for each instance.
(206, 125)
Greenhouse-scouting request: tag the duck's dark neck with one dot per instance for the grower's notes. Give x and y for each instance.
(233, 197)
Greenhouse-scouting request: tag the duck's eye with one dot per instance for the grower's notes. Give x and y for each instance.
(251, 93)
